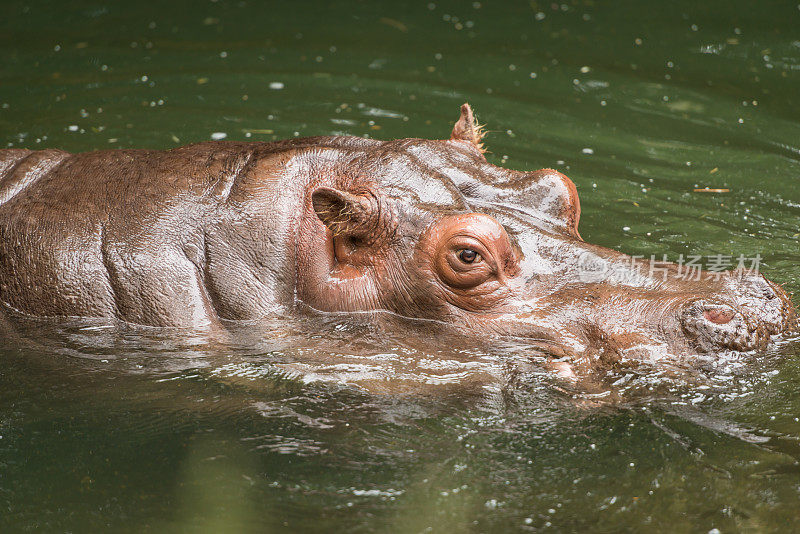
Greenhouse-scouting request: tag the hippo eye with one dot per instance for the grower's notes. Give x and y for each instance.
(468, 255)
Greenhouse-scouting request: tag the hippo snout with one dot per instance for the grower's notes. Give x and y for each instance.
(757, 310)
(713, 326)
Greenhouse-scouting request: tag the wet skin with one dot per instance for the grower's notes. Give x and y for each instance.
(218, 231)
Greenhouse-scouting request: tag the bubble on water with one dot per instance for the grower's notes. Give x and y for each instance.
(378, 63)
(277, 86)
(588, 151)
(217, 136)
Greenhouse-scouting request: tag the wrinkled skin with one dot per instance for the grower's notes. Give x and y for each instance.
(426, 229)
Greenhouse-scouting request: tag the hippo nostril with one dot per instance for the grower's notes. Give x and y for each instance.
(719, 315)
(763, 301)
(714, 326)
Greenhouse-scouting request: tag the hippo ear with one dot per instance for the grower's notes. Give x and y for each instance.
(345, 213)
(468, 129)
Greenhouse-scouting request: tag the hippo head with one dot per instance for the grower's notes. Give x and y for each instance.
(429, 229)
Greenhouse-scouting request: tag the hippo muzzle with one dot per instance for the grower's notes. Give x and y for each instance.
(743, 318)
(591, 298)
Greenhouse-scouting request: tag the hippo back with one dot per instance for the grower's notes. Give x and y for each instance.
(132, 234)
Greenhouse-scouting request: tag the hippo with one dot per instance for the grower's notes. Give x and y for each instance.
(209, 233)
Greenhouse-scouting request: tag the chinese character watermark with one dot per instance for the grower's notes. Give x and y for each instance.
(691, 267)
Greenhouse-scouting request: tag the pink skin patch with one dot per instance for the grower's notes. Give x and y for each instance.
(563, 370)
(719, 315)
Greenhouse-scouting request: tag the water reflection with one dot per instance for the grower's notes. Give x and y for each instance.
(332, 420)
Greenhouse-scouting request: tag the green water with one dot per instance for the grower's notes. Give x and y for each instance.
(331, 424)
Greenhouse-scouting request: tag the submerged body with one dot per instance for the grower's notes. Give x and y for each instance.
(425, 229)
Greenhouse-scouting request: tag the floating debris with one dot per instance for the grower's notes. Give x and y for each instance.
(396, 24)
